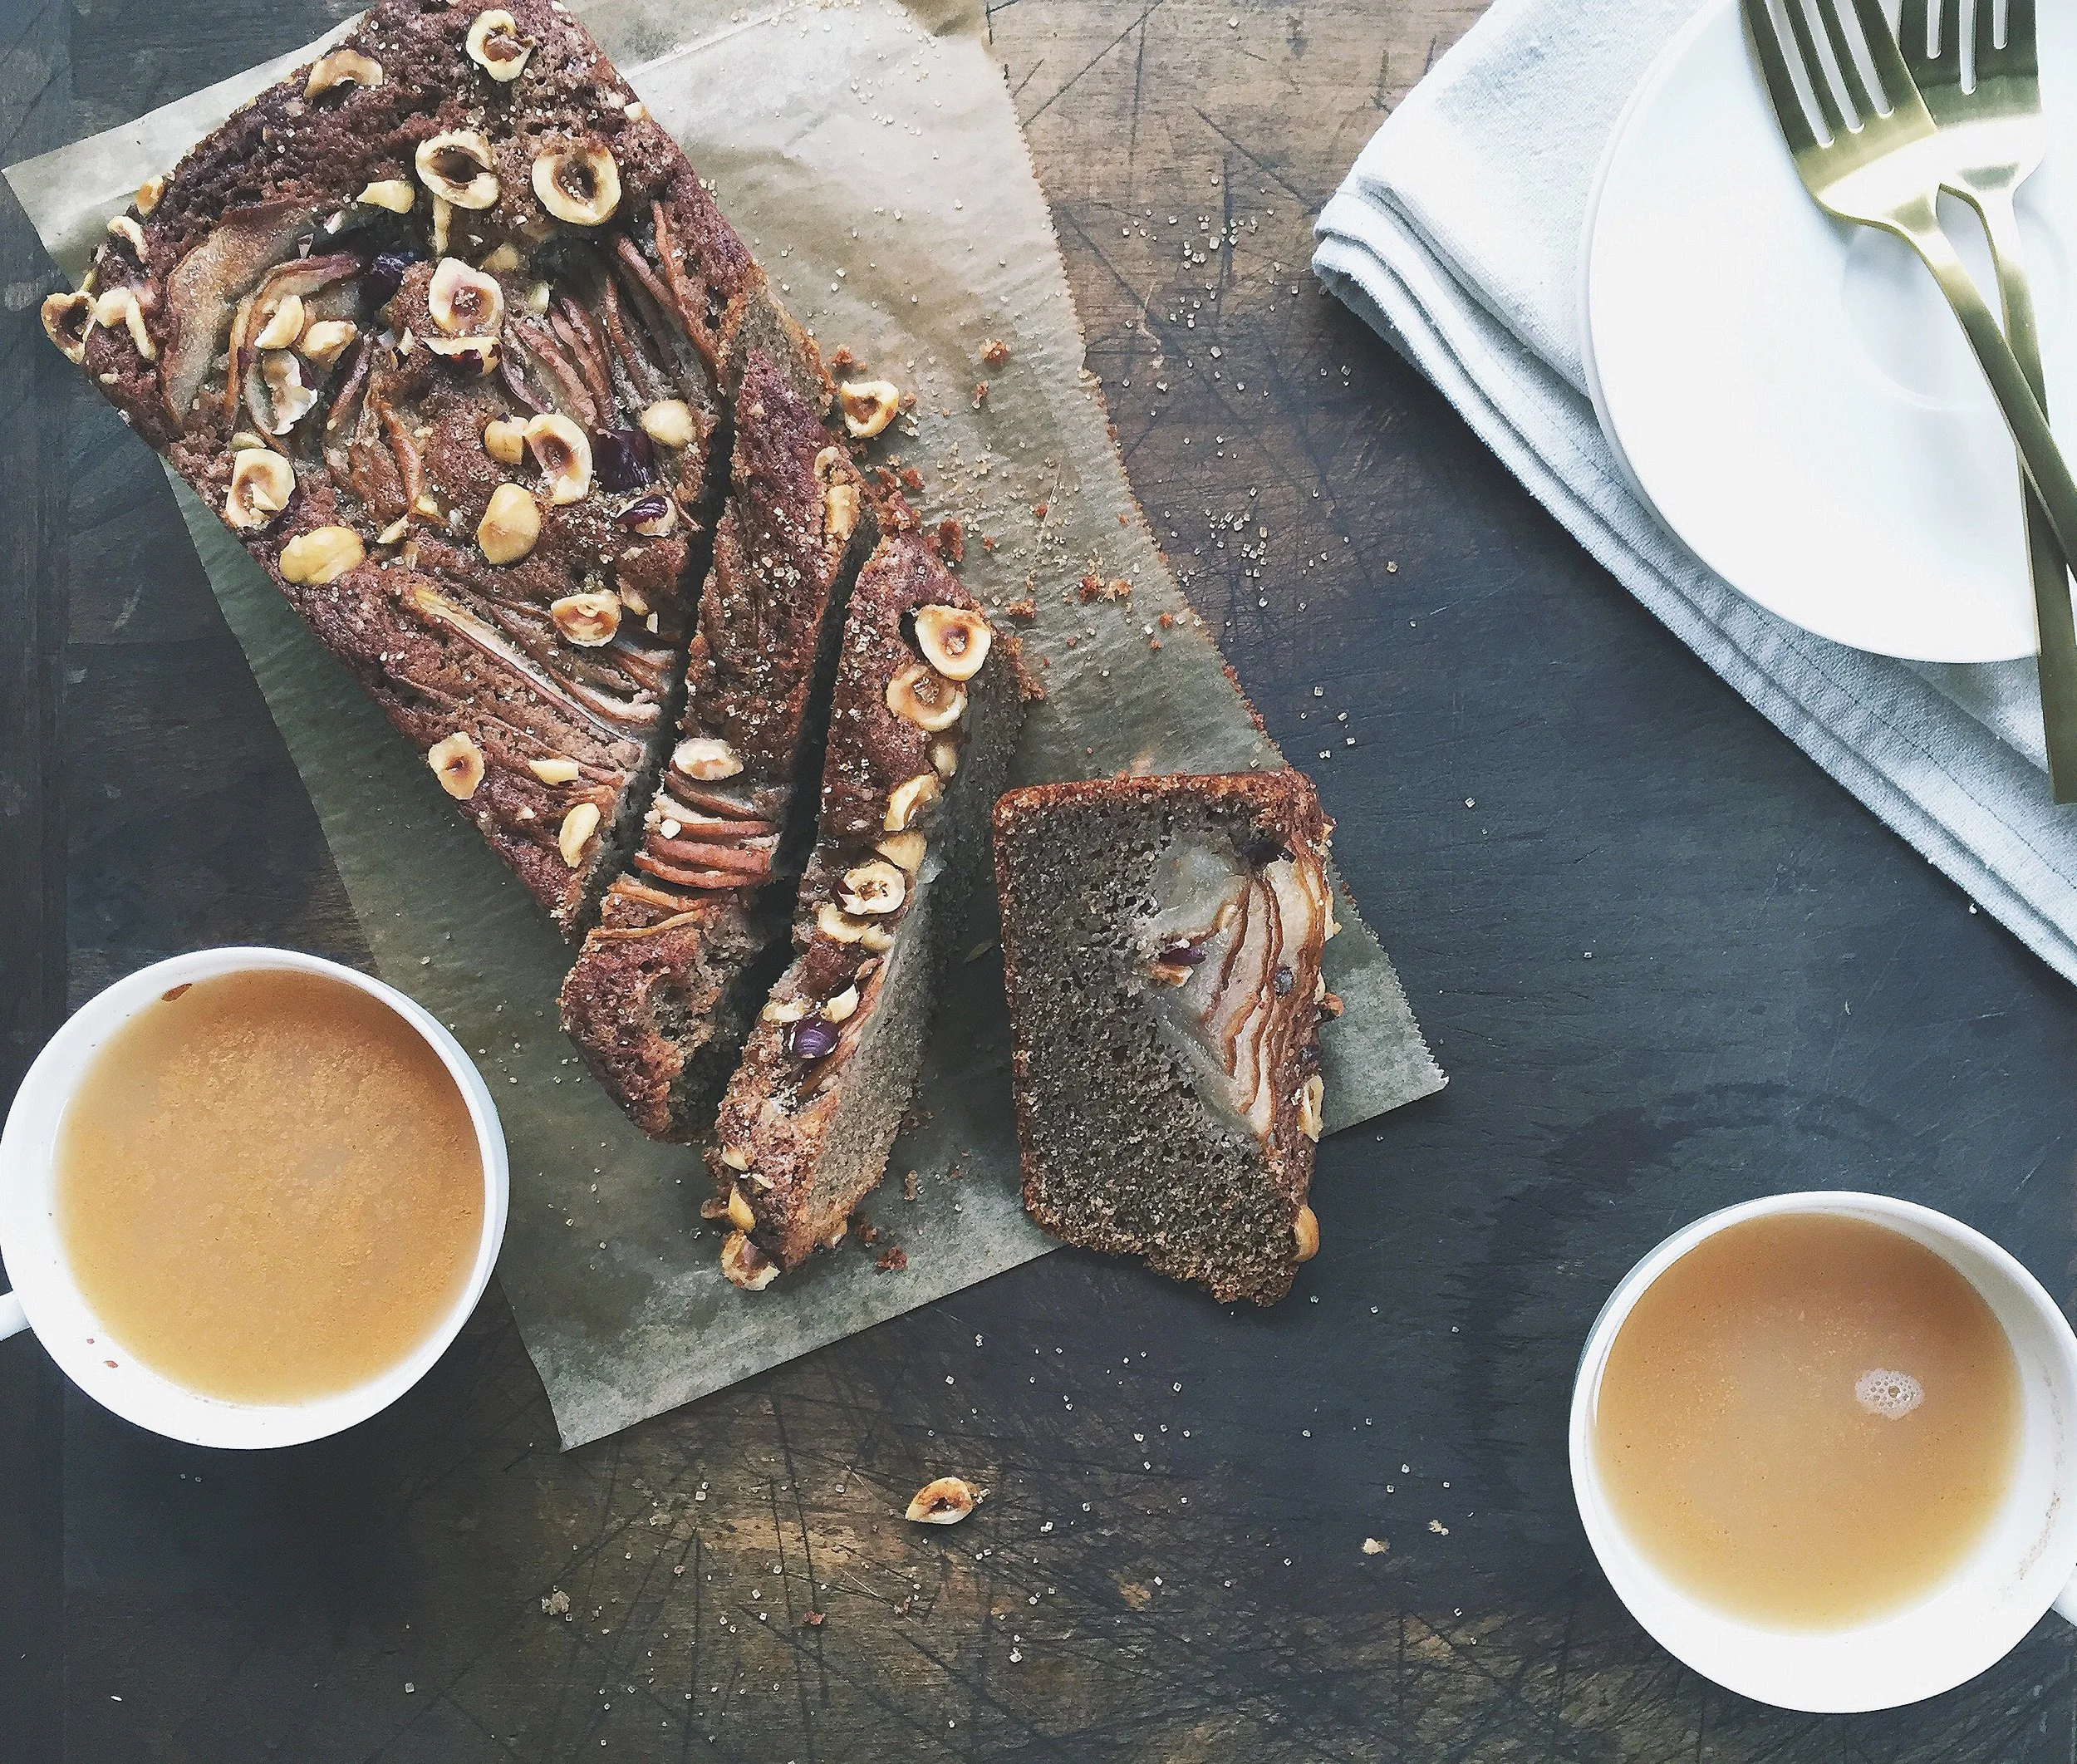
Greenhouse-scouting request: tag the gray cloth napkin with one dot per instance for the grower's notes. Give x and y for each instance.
(1457, 236)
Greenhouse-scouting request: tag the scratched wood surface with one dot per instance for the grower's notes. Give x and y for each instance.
(1668, 964)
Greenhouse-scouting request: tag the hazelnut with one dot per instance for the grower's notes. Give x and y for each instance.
(907, 801)
(504, 261)
(323, 554)
(281, 323)
(148, 193)
(122, 227)
(394, 531)
(563, 452)
(327, 339)
(842, 1008)
(394, 193)
(587, 620)
(945, 756)
(495, 45)
(784, 1010)
(458, 763)
(746, 1265)
(464, 300)
(443, 221)
(925, 698)
(579, 182)
(555, 770)
(668, 423)
(905, 849)
(288, 399)
(343, 67)
(705, 758)
(478, 354)
(868, 406)
(262, 482)
(738, 1212)
(1306, 1229)
(538, 294)
(242, 439)
(1309, 1102)
(66, 320)
(945, 1501)
(505, 440)
(955, 640)
(119, 306)
(456, 166)
(836, 925)
(575, 832)
(510, 525)
(877, 938)
(878, 887)
(839, 480)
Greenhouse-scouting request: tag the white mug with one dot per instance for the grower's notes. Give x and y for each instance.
(2022, 1566)
(47, 1300)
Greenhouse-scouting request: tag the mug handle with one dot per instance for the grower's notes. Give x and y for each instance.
(13, 1319)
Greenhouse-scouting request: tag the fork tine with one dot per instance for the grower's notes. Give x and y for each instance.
(1828, 104)
(1902, 93)
(1857, 94)
(1914, 31)
(2018, 56)
(1774, 67)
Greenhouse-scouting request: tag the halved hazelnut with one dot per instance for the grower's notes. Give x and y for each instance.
(579, 182)
(668, 422)
(150, 192)
(242, 439)
(925, 698)
(738, 1211)
(555, 770)
(905, 849)
(786, 1011)
(343, 67)
(955, 640)
(907, 801)
(122, 227)
(575, 832)
(456, 166)
(539, 295)
(1309, 1100)
(874, 887)
(505, 440)
(877, 938)
(868, 406)
(390, 535)
(119, 306)
(745, 1265)
(945, 756)
(464, 300)
(842, 1008)
(563, 452)
(327, 339)
(945, 1501)
(394, 193)
(706, 759)
(262, 482)
(477, 353)
(66, 320)
(510, 525)
(289, 400)
(323, 554)
(458, 763)
(1305, 1229)
(839, 480)
(836, 925)
(495, 45)
(281, 323)
(587, 620)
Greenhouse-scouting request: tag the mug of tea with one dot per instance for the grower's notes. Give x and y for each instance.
(1825, 1447)
(248, 1196)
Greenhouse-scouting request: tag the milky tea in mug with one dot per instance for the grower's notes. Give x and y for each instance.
(1808, 1421)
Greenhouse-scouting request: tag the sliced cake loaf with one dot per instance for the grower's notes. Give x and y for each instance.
(441, 325)
(1161, 941)
(663, 994)
(923, 717)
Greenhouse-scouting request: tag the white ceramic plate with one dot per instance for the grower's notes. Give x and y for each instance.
(1790, 392)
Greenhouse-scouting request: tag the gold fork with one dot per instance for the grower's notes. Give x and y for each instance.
(1990, 139)
(1881, 168)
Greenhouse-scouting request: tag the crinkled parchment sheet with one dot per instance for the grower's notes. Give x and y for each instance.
(869, 153)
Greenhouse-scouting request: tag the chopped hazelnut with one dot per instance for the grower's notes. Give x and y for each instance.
(869, 406)
(464, 300)
(503, 261)
(505, 440)
(122, 227)
(458, 763)
(455, 166)
(995, 352)
(262, 482)
(1309, 1100)
(119, 306)
(394, 193)
(575, 832)
(905, 849)
(836, 925)
(325, 341)
(945, 1502)
(1306, 1229)
(288, 399)
(955, 640)
(579, 182)
(341, 67)
(587, 620)
(945, 756)
(877, 938)
(738, 1211)
(668, 422)
(323, 554)
(706, 759)
(746, 1265)
(555, 770)
(842, 1008)
(924, 697)
(510, 526)
(874, 887)
(282, 323)
(909, 800)
(563, 452)
(495, 45)
(66, 320)
(150, 192)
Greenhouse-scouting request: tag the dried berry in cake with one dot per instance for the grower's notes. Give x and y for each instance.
(443, 327)
(926, 710)
(663, 992)
(1161, 941)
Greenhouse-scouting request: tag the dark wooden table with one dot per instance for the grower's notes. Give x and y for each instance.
(1668, 964)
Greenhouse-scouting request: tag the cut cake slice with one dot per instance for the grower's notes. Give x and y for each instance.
(923, 717)
(663, 994)
(440, 325)
(1161, 940)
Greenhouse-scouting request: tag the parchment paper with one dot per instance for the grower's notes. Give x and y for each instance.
(870, 154)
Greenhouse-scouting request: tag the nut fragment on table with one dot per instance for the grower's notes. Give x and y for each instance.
(869, 406)
(745, 1265)
(945, 1501)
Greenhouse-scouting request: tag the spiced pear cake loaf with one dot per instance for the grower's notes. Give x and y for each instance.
(924, 714)
(443, 326)
(663, 992)
(1161, 940)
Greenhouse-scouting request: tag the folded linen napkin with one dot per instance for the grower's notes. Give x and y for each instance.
(1457, 236)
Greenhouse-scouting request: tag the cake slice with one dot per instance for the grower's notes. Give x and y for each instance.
(663, 994)
(441, 326)
(1161, 941)
(923, 716)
